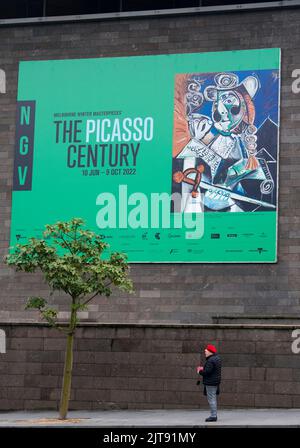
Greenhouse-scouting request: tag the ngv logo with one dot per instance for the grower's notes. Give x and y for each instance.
(2, 81)
(2, 341)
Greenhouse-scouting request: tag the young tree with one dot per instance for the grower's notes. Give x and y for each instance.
(70, 259)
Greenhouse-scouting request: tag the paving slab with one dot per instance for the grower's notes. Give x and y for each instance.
(239, 418)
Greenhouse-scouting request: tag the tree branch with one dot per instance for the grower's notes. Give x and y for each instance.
(54, 324)
(62, 329)
(66, 243)
(91, 298)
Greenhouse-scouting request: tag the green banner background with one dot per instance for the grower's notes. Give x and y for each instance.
(134, 87)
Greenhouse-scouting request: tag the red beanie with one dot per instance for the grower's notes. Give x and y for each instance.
(211, 348)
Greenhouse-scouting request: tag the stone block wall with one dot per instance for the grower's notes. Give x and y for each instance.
(149, 367)
(179, 293)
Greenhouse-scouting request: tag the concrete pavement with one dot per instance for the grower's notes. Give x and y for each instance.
(239, 418)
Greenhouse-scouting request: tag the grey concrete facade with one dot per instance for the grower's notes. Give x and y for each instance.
(168, 293)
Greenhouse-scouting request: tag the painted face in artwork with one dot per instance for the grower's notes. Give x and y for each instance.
(232, 102)
(228, 110)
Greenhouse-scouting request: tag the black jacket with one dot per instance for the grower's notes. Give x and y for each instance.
(212, 371)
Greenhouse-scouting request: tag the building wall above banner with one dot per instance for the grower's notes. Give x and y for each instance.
(40, 11)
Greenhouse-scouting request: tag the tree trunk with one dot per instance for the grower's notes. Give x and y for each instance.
(67, 378)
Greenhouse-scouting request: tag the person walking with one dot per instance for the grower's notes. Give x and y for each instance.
(211, 373)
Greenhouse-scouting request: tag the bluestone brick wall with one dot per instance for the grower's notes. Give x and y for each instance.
(148, 367)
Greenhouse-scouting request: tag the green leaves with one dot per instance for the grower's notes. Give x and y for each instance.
(36, 303)
(28, 257)
(47, 313)
(69, 256)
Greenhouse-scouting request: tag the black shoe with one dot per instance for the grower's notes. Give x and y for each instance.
(211, 419)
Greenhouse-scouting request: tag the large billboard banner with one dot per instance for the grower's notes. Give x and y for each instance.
(172, 158)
